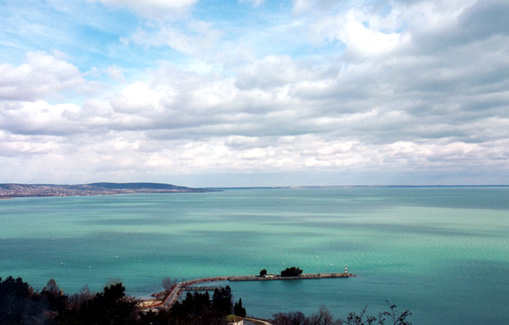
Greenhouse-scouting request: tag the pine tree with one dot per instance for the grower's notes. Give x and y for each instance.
(239, 310)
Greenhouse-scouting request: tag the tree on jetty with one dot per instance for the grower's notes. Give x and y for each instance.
(263, 272)
(291, 271)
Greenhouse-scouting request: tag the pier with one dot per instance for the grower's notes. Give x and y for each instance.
(175, 292)
(201, 288)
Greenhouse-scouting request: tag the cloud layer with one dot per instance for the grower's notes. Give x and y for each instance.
(307, 93)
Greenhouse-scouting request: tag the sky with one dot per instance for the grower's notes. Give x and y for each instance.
(255, 92)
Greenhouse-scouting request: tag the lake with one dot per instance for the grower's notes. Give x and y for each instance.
(442, 252)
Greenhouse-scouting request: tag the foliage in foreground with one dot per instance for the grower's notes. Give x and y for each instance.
(199, 308)
(21, 304)
(324, 317)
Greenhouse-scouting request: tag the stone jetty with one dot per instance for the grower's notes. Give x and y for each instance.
(175, 292)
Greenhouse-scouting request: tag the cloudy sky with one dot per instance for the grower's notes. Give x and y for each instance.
(254, 92)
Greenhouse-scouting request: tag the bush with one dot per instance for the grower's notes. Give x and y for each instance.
(291, 271)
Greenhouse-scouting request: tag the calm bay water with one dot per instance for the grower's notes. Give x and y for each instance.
(443, 253)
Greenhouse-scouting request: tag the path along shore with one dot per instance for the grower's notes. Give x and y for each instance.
(173, 295)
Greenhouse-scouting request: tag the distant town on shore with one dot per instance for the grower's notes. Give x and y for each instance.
(31, 190)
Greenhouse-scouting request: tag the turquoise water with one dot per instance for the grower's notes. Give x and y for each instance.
(443, 253)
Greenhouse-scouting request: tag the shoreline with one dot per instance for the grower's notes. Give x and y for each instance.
(12, 190)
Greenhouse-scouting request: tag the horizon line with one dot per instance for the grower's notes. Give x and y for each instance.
(271, 186)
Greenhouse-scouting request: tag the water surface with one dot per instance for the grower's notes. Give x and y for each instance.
(443, 253)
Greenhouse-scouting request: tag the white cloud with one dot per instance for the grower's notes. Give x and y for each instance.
(302, 6)
(136, 98)
(196, 39)
(40, 76)
(154, 9)
(257, 153)
(363, 92)
(275, 71)
(362, 34)
(115, 73)
(364, 41)
(40, 117)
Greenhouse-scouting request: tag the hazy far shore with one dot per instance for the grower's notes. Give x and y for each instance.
(38, 190)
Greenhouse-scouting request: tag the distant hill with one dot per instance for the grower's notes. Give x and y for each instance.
(159, 186)
(28, 190)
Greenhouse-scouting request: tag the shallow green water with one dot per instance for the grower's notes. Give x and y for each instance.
(441, 252)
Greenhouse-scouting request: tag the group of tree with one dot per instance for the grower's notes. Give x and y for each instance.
(21, 304)
(324, 317)
(199, 308)
(291, 271)
(238, 309)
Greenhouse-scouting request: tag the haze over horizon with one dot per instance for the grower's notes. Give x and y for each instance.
(255, 92)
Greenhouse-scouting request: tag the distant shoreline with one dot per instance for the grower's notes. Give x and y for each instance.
(15, 190)
(348, 186)
(8, 191)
